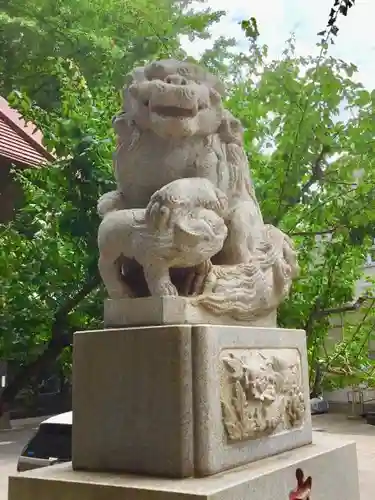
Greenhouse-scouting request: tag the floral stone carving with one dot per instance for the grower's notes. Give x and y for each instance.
(180, 151)
(261, 392)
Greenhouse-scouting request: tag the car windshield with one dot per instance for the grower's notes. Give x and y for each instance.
(51, 441)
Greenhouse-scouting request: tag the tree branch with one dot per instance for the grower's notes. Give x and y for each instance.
(314, 233)
(310, 320)
(72, 302)
(317, 174)
(61, 338)
(309, 214)
(33, 369)
(317, 313)
(345, 308)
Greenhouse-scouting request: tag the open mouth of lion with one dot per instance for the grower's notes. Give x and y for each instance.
(175, 111)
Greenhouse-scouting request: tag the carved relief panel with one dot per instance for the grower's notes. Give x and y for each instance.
(261, 392)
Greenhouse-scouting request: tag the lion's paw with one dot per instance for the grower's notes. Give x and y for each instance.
(158, 215)
(166, 289)
(221, 201)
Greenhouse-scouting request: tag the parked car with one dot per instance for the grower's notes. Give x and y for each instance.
(51, 444)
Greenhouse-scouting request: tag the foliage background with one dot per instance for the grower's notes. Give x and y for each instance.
(308, 128)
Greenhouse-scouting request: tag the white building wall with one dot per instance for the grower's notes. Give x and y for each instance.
(343, 396)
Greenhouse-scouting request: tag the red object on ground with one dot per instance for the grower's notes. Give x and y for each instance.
(20, 142)
(303, 490)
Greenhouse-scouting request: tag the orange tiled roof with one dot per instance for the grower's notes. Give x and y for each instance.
(19, 141)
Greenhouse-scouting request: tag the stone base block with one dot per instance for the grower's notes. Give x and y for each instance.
(331, 463)
(180, 401)
(146, 311)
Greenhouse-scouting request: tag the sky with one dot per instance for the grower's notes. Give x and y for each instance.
(276, 19)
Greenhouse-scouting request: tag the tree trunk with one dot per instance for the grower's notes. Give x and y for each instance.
(316, 389)
(62, 336)
(34, 369)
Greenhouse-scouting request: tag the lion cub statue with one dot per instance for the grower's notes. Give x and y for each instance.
(181, 227)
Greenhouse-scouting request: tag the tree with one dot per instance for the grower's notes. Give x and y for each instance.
(48, 255)
(302, 154)
(105, 38)
(340, 7)
(309, 130)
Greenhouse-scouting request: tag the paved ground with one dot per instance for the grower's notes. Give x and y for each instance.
(12, 442)
(364, 436)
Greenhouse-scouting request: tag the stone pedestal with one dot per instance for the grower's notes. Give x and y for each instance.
(132, 401)
(165, 400)
(191, 410)
(331, 463)
(150, 311)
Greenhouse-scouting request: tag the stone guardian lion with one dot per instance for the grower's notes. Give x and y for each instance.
(173, 125)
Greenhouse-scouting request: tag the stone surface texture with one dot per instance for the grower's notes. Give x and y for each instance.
(132, 400)
(185, 199)
(261, 392)
(150, 399)
(213, 449)
(145, 311)
(330, 462)
(189, 240)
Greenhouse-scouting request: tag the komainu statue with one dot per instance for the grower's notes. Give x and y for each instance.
(186, 237)
(180, 163)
